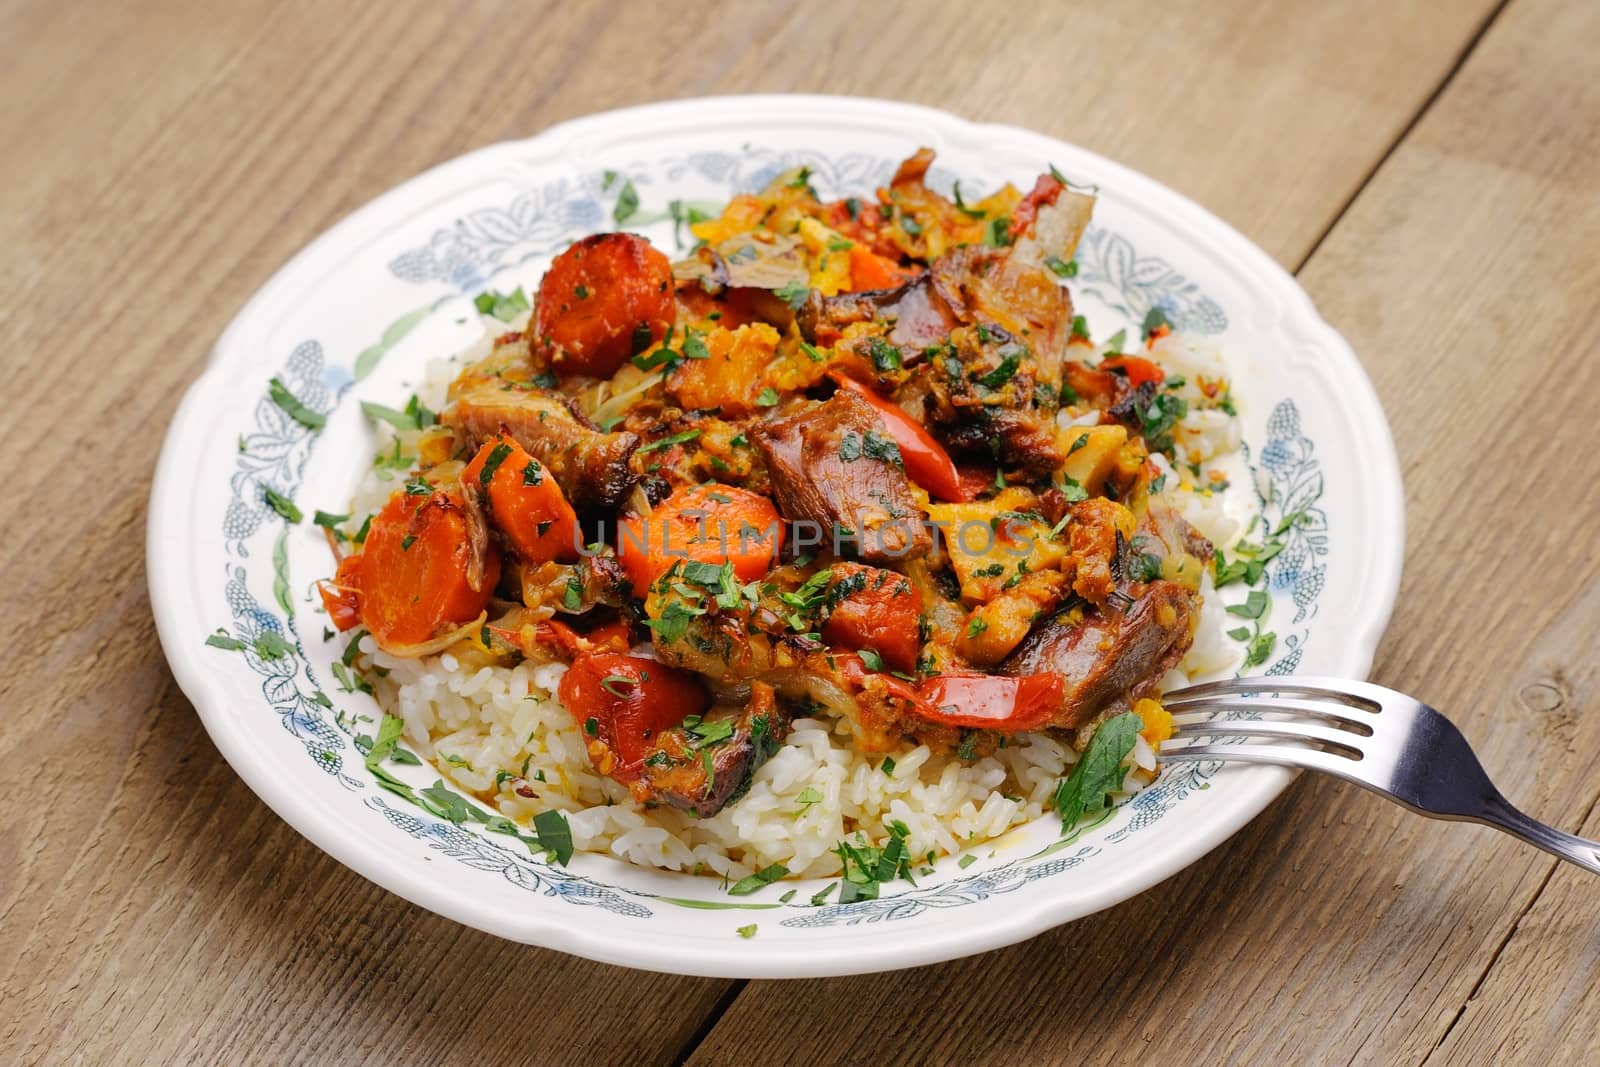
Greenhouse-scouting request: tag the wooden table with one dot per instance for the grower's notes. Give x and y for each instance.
(1430, 169)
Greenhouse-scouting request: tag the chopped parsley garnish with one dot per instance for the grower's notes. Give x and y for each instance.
(1067, 269)
(291, 405)
(871, 660)
(794, 294)
(674, 621)
(887, 766)
(328, 520)
(885, 356)
(1114, 345)
(1144, 567)
(221, 640)
(270, 644)
(497, 456)
(572, 598)
(866, 867)
(998, 233)
(1080, 327)
(762, 878)
(1154, 319)
(1156, 421)
(1254, 606)
(820, 897)
(1098, 771)
(281, 504)
(872, 445)
(554, 834)
(407, 541)
(747, 932)
(975, 626)
(415, 416)
(808, 796)
(667, 442)
(627, 203)
(966, 861)
(1002, 374)
(532, 474)
(767, 398)
(503, 306)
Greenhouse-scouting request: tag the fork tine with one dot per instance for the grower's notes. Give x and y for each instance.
(1341, 741)
(1294, 685)
(1281, 755)
(1202, 704)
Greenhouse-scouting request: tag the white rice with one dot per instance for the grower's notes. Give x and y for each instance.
(473, 723)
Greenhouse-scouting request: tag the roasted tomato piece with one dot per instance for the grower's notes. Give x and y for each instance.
(602, 300)
(624, 703)
(875, 609)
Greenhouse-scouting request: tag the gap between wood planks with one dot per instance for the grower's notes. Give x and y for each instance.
(736, 987)
(1494, 957)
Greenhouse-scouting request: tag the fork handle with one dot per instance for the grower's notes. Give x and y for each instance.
(1498, 812)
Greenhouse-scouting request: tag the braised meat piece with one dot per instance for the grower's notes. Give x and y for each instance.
(590, 466)
(703, 765)
(834, 465)
(1110, 656)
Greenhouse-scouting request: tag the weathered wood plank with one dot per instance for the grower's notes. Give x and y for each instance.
(161, 161)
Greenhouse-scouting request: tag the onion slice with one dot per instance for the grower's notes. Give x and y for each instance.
(440, 643)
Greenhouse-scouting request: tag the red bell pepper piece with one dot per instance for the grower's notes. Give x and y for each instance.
(927, 463)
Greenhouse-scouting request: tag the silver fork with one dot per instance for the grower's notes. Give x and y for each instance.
(1363, 733)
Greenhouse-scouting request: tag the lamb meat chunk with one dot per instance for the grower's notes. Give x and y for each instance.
(921, 316)
(590, 466)
(706, 767)
(1110, 657)
(834, 465)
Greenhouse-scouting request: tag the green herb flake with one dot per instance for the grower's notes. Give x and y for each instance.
(221, 640)
(503, 306)
(291, 405)
(667, 442)
(767, 398)
(966, 861)
(627, 203)
(269, 644)
(762, 878)
(1098, 771)
(746, 932)
(281, 504)
(1067, 269)
(554, 835)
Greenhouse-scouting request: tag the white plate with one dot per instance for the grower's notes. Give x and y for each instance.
(358, 313)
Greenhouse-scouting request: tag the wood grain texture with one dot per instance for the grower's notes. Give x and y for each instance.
(1339, 928)
(159, 163)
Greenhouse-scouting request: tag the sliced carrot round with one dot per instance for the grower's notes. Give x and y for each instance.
(525, 503)
(415, 570)
(706, 523)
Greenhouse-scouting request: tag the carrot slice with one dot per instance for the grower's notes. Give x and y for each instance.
(414, 571)
(868, 270)
(707, 523)
(525, 502)
(342, 596)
